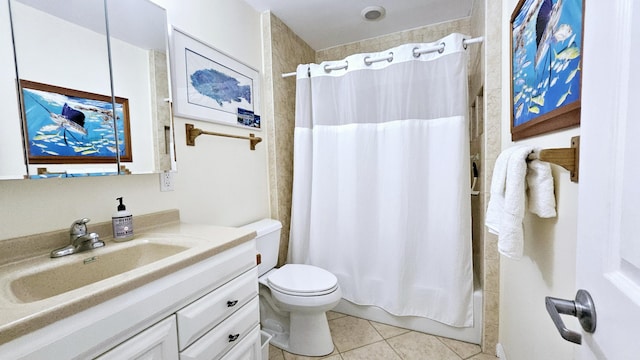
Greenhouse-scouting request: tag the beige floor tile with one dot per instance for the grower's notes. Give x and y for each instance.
(388, 331)
(419, 346)
(334, 315)
(349, 333)
(483, 357)
(275, 353)
(463, 349)
(377, 351)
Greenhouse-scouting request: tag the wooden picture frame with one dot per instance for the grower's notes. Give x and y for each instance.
(212, 86)
(67, 126)
(546, 60)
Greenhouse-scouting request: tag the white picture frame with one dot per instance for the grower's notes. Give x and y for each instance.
(212, 86)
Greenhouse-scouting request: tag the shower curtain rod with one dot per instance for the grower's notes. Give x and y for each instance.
(416, 52)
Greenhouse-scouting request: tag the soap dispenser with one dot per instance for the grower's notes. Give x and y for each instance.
(122, 222)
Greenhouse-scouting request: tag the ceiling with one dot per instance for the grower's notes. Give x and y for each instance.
(327, 23)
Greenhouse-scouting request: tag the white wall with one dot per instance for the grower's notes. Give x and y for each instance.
(548, 265)
(219, 181)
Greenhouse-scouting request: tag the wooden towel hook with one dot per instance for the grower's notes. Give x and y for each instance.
(568, 158)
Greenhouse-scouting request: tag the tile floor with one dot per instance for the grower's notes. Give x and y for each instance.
(359, 339)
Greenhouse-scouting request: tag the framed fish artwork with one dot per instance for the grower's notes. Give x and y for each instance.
(546, 66)
(67, 126)
(212, 86)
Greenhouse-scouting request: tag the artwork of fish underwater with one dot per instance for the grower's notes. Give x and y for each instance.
(546, 62)
(65, 126)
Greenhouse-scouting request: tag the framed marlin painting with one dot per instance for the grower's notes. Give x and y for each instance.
(212, 86)
(546, 60)
(66, 126)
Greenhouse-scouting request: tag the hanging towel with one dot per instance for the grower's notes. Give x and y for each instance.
(506, 208)
(498, 182)
(542, 200)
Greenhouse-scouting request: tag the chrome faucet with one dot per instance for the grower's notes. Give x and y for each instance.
(80, 240)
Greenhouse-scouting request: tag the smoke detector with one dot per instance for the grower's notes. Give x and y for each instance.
(373, 13)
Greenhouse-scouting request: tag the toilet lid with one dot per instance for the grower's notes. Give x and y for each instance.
(304, 280)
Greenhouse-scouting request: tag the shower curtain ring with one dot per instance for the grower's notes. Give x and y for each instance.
(329, 68)
(443, 46)
(415, 53)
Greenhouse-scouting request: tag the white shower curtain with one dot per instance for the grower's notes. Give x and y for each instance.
(381, 180)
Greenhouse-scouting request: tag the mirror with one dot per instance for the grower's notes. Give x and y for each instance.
(73, 76)
(12, 160)
(139, 43)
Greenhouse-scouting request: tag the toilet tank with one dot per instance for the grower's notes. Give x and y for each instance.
(267, 242)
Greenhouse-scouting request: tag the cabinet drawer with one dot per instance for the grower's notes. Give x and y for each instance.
(223, 337)
(155, 343)
(248, 349)
(207, 312)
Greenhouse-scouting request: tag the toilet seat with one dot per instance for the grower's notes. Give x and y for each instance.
(302, 280)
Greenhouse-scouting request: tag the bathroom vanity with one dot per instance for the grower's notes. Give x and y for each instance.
(180, 291)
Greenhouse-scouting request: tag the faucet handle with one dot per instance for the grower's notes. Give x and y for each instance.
(79, 227)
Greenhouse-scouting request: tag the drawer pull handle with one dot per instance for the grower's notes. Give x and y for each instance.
(232, 303)
(233, 338)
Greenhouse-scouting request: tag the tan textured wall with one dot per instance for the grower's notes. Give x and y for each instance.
(422, 34)
(490, 148)
(283, 51)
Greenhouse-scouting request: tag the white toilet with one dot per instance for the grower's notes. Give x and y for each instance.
(294, 299)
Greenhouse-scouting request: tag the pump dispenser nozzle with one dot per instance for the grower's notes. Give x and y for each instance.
(121, 206)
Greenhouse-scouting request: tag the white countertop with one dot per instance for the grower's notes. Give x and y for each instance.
(19, 318)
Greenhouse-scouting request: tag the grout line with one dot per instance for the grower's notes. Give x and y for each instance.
(385, 340)
(447, 346)
(394, 349)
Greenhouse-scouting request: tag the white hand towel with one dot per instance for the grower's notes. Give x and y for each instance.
(505, 212)
(542, 200)
(511, 237)
(496, 201)
(495, 209)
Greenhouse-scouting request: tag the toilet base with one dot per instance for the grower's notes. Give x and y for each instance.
(311, 336)
(302, 333)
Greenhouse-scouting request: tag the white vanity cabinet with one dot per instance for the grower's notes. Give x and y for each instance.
(158, 342)
(208, 310)
(213, 324)
(223, 337)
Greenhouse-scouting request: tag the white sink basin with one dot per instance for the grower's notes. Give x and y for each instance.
(87, 268)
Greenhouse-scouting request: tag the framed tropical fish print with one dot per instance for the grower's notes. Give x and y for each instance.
(68, 126)
(546, 66)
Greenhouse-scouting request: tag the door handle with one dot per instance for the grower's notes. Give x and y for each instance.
(582, 308)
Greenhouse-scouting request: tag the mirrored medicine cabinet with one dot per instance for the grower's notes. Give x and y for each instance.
(86, 89)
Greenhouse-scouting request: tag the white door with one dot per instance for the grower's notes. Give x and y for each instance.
(608, 250)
